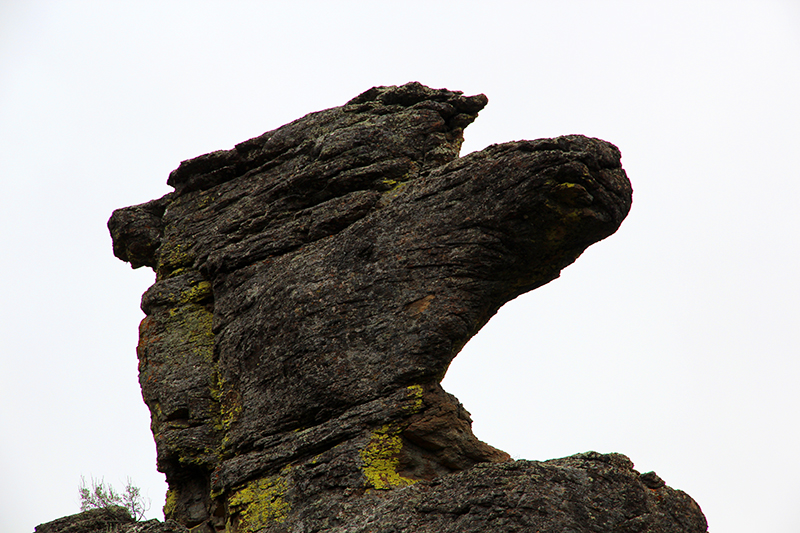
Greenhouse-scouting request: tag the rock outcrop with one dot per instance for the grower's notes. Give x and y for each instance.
(112, 518)
(313, 285)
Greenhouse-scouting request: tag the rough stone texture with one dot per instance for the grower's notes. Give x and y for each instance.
(95, 520)
(313, 285)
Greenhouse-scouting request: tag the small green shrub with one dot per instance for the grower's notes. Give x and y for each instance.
(102, 496)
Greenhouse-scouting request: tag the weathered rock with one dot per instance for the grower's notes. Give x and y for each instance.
(112, 518)
(313, 285)
(586, 492)
(108, 520)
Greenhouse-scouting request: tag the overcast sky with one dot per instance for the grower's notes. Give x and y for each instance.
(675, 341)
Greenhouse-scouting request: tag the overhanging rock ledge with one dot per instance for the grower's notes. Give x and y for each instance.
(313, 285)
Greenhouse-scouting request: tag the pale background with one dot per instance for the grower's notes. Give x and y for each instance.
(675, 341)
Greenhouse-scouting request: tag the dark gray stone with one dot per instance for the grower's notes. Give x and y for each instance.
(112, 518)
(313, 286)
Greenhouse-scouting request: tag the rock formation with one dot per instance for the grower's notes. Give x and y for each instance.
(313, 285)
(100, 520)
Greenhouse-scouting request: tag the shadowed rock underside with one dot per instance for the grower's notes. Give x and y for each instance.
(313, 285)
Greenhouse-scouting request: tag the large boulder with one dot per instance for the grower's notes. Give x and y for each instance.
(312, 286)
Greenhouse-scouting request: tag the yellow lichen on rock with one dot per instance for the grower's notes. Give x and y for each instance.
(197, 293)
(394, 186)
(174, 258)
(170, 503)
(415, 393)
(229, 405)
(260, 503)
(192, 322)
(380, 459)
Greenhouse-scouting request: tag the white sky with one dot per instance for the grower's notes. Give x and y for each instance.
(674, 342)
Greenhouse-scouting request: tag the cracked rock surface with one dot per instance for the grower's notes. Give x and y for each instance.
(312, 287)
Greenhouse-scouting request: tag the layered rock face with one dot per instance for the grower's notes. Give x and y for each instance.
(313, 285)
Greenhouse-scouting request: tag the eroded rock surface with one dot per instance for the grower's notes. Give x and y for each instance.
(313, 285)
(95, 520)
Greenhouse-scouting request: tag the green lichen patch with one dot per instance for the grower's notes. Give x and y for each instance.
(196, 293)
(415, 393)
(173, 258)
(189, 327)
(380, 459)
(393, 187)
(170, 504)
(229, 403)
(260, 503)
